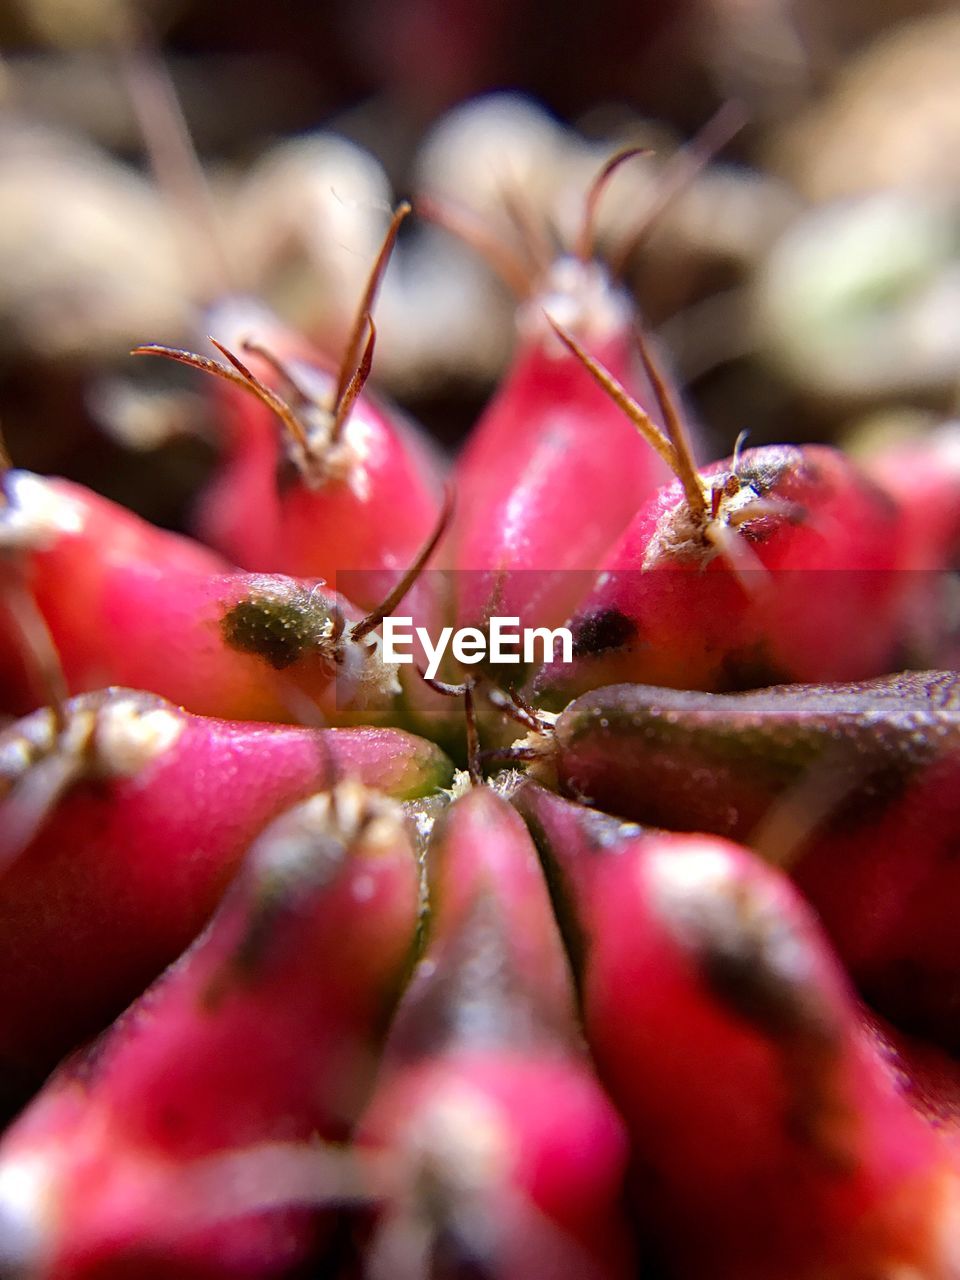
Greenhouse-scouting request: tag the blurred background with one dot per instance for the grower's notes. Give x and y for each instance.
(806, 283)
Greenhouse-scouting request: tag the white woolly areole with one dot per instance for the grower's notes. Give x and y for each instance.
(363, 678)
(321, 463)
(348, 459)
(687, 888)
(541, 739)
(36, 513)
(345, 813)
(507, 782)
(345, 462)
(100, 737)
(680, 532)
(39, 734)
(460, 785)
(540, 749)
(130, 736)
(581, 297)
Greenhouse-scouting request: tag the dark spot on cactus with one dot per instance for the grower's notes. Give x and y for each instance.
(877, 793)
(598, 632)
(750, 668)
(288, 475)
(476, 998)
(280, 630)
(922, 998)
(762, 528)
(819, 1114)
(277, 902)
(740, 967)
(746, 956)
(763, 469)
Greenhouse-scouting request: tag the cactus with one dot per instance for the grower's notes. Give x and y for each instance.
(331, 1006)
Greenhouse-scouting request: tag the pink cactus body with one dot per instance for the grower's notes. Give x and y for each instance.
(772, 1138)
(542, 452)
(265, 1032)
(540, 1154)
(140, 815)
(481, 848)
(70, 546)
(795, 578)
(128, 604)
(364, 499)
(239, 510)
(236, 646)
(924, 477)
(855, 789)
(506, 1155)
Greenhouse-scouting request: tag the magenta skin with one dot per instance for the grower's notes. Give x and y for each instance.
(821, 597)
(776, 1138)
(264, 1032)
(550, 1198)
(540, 452)
(71, 547)
(369, 517)
(854, 789)
(484, 1072)
(124, 871)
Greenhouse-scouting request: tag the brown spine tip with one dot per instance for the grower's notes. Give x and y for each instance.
(515, 706)
(675, 453)
(239, 375)
(355, 351)
(681, 170)
(351, 393)
(269, 397)
(585, 242)
(293, 388)
(472, 231)
(686, 468)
